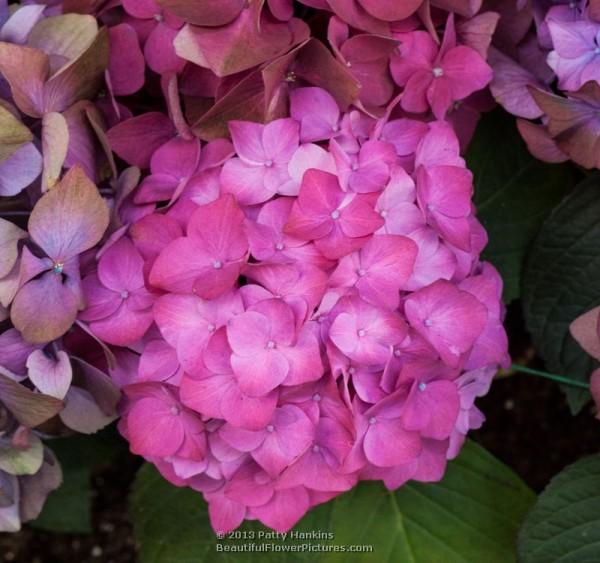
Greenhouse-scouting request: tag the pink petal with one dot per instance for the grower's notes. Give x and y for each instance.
(52, 377)
(45, 308)
(387, 443)
(178, 157)
(247, 333)
(260, 373)
(432, 409)
(153, 429)
(210, 13)
(317, 112)
(159, 50)
(120, 268)
(284, 510)
(124, 327)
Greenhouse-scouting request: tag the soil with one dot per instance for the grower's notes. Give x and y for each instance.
(529, 427)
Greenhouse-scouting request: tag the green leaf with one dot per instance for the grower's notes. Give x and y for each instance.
(563, 524)
(68, 509)
(472, 515)
(562, 281)
(514, 193)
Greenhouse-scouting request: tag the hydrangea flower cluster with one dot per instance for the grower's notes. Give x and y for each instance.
(547, 68)
(286, 312)
(321, 314)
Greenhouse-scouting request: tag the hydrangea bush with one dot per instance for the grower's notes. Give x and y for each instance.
(247, 231)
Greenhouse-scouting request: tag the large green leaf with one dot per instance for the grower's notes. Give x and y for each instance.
(472, 515)
(562, 281)
(564, 524)
(514, 193)
(68, 509)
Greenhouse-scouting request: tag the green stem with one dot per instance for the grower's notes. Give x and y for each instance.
(552, 376)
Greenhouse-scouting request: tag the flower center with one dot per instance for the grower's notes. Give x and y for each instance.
(422, 386)
(316, 397)
(124, 294)
(438, 71)
(58, 267)
(383, 213)
(372, 420)
(175, 410)
(279, 246)
(361, 272)
(361, 332)
(268, 163)
(271, 344)
(316, 449)
(335, 214)
(270, 428)
(217, 264)
(211, 327)
(428, 322)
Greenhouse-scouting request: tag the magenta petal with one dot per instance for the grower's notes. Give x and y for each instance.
(390, 10)
(144, 9)
(120, 267)
(178, 266)
(160, 52)
(291, 432)
(136, 139)
(178, 157)
(126, 65)
(432, 409)
(317, 112)
(247, 412)
(210, 13)
(123, 328)
(100, 302)
(250, 486)
(225, 514)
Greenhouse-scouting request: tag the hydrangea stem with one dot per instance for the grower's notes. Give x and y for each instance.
(552, 376)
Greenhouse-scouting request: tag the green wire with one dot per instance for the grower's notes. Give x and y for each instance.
(552, 376)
